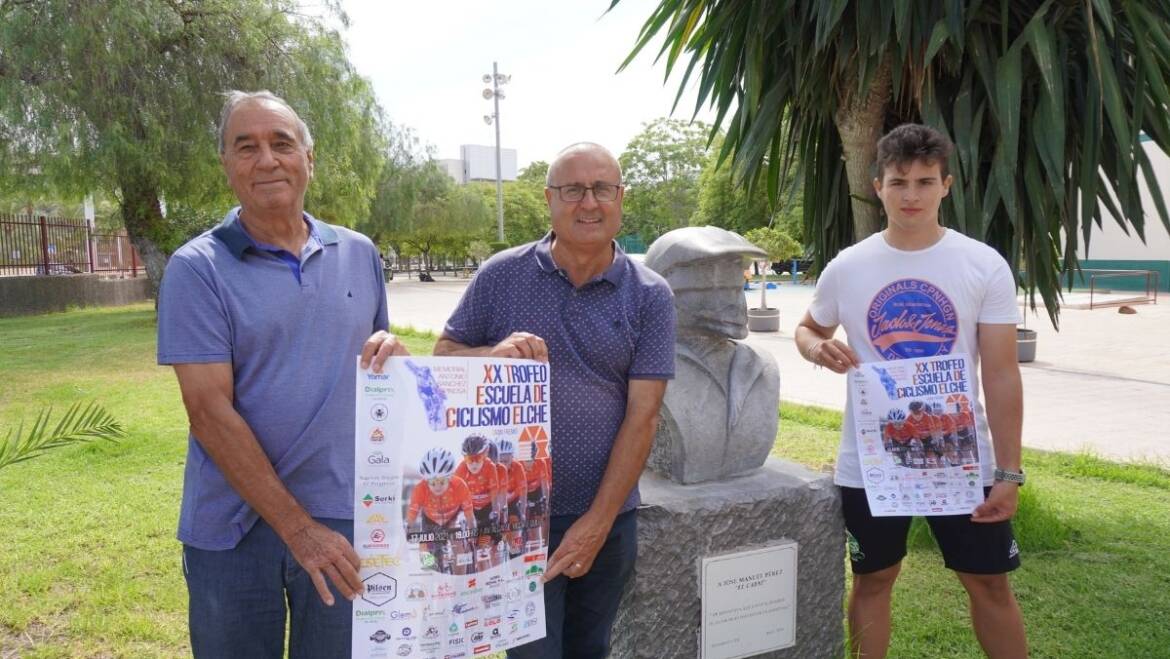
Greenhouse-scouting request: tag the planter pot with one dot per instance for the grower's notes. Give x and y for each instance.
(1025, 345)
(764, 320)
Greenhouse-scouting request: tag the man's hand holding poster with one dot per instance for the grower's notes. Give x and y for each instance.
(916, 435)
(453, 476)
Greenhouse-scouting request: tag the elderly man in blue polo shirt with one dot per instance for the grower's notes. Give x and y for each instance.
(262, 319)
(606, 325)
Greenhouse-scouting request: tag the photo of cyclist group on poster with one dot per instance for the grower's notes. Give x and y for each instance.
(931, 434)
(917, 436)
(453, 474)
(475, 509)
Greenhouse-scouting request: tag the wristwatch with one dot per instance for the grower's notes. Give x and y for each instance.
(1010, 476)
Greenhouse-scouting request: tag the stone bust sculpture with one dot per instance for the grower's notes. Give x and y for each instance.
(719, 415)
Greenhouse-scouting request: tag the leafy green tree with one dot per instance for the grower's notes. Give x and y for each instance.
(725, 202)
(534, 174)
(35, 203)
(660, 169)
(448, 223)
(409, 178)
(789, 218)
(1046, 100)
(525, 210)
(122, 96)
(479, 250)
(419, 211)
(728, 202)
(779, 246)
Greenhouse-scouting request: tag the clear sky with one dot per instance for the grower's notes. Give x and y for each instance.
(426, 61)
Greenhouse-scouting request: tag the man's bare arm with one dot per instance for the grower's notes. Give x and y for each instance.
(631, 447)
(208, 394)
(815, 343)
(1004, 393)
(521, 345)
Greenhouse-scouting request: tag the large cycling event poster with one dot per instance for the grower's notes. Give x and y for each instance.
(914, 421)
(453, 475)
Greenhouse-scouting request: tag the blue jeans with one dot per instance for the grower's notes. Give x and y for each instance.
(237, 601)
(579, 613)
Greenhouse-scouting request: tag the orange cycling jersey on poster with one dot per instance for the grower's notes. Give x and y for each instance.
(899, 435)
(517, 481)
(965, 420)
(483, 485)
(537, 474)
(942, 424)
(502, 478)
(441, 508)
(918, 426)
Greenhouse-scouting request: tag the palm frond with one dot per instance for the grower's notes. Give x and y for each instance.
(80, 424)
(1048, 102)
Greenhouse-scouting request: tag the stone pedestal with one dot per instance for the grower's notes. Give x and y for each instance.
(679, 525)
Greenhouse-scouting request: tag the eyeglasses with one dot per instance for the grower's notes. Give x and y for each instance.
(601, 191)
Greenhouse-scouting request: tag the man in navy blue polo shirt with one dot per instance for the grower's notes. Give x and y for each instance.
(606, 326)
(262, 318)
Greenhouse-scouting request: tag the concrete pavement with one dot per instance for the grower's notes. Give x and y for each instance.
(1101, 384)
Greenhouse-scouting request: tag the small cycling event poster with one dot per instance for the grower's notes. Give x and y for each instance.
(453, 476)
(914, 420)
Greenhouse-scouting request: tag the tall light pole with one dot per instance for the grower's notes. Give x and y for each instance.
(497, 79)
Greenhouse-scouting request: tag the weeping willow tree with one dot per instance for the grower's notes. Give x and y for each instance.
(1046, 102)
(123, 97)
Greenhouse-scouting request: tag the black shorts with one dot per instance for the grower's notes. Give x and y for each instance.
(535, 503)
(431, 526)
(483, 517)
(514, 511)
(876, 543)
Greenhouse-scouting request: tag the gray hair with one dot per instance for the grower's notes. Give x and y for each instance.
(574, 148)
(236, 98)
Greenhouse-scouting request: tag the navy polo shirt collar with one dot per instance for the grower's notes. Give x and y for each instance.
(613, 274)
(231, 233)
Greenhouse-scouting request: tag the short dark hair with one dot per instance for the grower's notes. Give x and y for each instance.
(910, 142)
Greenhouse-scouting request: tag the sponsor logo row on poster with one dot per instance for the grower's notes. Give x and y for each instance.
(476, 615)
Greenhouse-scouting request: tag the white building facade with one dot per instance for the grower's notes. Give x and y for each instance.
(1112, 248)
(478, 163)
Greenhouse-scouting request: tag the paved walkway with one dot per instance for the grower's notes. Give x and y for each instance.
(1101, 384)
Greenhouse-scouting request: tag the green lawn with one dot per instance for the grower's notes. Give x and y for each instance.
(89, 565)
(1095, 580)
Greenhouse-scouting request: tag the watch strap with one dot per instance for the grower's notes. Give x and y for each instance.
(1010, 476)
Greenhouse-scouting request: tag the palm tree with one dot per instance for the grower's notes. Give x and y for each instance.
(1046, 101)
(78, 425)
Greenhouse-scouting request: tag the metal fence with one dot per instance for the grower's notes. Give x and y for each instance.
(45, 245)
(1095, 288)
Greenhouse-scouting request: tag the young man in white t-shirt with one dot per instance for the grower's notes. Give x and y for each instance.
(917, 290)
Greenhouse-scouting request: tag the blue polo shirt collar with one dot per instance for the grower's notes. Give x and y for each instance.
(613, 274)
(231, 233)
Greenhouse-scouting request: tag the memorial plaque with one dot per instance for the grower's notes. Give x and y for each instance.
(749, 602)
